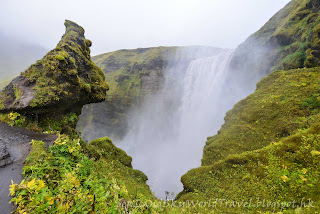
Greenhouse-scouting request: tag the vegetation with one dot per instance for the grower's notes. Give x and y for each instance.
(289, 40)
(64, 124)
(68, 178)
(64, 75)
(264, 159)
(284, 102)
(283, 176)
(267, 147)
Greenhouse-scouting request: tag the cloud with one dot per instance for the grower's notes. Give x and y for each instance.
(119, 24)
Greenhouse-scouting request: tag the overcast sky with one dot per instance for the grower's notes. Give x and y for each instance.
(124, 24)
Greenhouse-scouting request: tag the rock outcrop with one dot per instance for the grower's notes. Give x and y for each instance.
(63, 80)
(5, 158)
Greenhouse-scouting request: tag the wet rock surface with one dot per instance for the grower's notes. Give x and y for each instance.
(14, 148)
(5, 158)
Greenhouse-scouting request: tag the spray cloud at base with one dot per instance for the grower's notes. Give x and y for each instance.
(168, 132)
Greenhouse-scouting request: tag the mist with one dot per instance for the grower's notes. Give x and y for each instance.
(126, 24)
(168, 132)
(16, 56)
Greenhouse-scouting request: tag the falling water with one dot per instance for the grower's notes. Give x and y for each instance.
(169, 132)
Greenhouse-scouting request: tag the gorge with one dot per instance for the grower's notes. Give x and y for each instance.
(165, 133)
(171, 129)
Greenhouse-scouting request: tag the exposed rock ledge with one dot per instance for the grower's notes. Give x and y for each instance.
(64, 79)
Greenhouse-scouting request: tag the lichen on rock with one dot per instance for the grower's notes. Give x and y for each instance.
(63, 80)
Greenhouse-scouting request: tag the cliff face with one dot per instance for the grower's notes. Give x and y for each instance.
(63, 80)
(132, 76)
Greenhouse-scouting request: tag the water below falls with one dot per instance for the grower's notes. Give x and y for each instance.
(169, 132)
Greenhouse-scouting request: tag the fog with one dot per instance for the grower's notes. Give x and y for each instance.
(15, 57)
(124, 24)
(167, 134)
(168, 131)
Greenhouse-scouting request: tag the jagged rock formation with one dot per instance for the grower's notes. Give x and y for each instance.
(133, 75)
(63, 80)
(5, 158)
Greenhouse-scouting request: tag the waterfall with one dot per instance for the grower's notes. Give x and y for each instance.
(169, 132)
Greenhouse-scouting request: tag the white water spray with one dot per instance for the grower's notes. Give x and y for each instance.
(167, 136)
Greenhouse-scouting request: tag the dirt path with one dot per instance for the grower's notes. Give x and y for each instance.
(14, 148)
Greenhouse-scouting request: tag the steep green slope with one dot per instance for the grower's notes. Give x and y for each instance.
(284, 102)
(290, 39)
(243, 162)
(133, 75)
(283, 176)
(269, 145)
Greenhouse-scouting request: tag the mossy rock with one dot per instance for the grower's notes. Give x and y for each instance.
(295, 60)
(104, 148)
(64, 80)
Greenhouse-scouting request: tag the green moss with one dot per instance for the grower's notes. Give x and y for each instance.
(60, 58)
(281, 172)
(295, 60)
(312, 102)
(2, 106)
(274, 111)
(104, 147)
(267, 148)
(317, 30)
(17, 93)
(281, 43)
(65, 75)
(64, 174)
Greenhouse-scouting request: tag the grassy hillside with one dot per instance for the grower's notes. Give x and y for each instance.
(268, 147)
(289, 40)
(284, 102)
